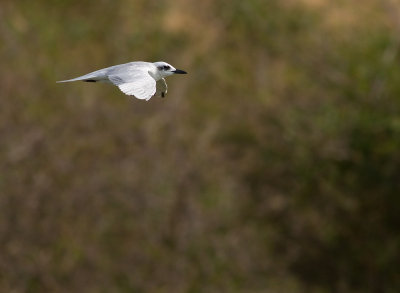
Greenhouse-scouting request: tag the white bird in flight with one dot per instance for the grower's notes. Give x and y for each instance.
(140, 79)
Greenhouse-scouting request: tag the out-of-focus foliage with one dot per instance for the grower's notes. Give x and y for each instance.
(273, 166)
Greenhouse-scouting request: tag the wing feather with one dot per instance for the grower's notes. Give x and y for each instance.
(136, 83)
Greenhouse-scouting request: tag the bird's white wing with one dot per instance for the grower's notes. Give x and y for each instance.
(137, 82)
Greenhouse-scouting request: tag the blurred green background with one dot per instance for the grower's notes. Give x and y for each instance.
(273, 166)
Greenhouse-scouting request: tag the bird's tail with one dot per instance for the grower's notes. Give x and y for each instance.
(77, 79)
(99, 75)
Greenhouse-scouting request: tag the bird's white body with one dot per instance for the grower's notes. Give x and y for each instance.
(140, 79)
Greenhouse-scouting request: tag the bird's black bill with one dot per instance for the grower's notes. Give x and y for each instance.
(178, 71)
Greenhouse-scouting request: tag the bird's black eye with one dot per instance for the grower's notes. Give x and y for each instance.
(163, 67)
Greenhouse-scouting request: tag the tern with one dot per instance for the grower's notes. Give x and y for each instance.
(140, 79)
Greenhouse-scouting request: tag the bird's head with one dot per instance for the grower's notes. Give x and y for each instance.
(165, 69)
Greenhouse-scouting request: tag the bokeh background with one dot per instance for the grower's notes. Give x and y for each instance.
(273, 166)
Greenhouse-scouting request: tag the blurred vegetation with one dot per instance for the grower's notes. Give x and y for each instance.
(273, 166)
